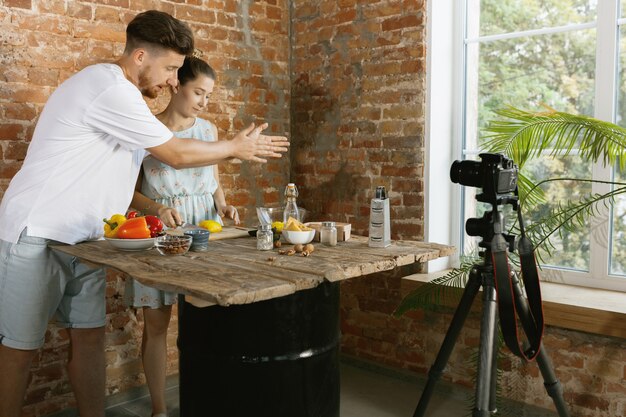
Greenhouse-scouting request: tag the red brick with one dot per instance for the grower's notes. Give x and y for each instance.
(395, 23)
(16, 151)
(52, 6)
(9, 169)
(45, 23)
(11, 131)
(107, 14)
(43, 76)
(225, 20)
(106, 32)
(194, 14)
(22, 4)
(19, 111)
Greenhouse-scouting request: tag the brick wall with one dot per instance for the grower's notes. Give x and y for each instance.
(358, 77)
(46, 41)
(354, 102)
(43, 42)
(591, 368)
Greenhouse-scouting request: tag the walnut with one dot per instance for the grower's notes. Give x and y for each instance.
(298, 248)
(290, 252)
(282, 252)
(309, 247)
(271, 258)
(306, 253)
(277, 244)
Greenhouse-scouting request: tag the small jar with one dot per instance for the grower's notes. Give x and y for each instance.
(265, 237)
(328, 234)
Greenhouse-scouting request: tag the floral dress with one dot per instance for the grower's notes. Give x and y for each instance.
(189, 191)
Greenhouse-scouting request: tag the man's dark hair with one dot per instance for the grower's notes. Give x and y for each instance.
(159, 29)
(192, 68)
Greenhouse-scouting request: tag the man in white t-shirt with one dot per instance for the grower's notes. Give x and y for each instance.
(81, 167)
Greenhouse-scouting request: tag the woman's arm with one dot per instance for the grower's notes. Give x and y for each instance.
(168, 215)
(223, 209)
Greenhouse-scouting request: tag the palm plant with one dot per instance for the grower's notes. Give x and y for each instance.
(522, 136)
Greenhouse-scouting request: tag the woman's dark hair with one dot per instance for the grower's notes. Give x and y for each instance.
(159, 29)
(192, 68)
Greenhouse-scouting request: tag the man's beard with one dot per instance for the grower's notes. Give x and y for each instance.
(152, 91)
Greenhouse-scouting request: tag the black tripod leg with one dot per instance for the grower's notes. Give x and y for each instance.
(494, 370)
(550, 381)
(485, 383)
(471, 289)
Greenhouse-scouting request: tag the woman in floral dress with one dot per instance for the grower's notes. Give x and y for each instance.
(188, 195)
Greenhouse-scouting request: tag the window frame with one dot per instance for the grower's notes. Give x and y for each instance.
(445, 122)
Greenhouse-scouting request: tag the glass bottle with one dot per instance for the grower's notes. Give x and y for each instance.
(328, 234)
(291, 208)
(264, 237)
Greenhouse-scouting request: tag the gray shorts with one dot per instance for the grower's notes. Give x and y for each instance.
(36, 283)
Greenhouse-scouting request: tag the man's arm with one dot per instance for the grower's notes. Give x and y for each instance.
(249, 145)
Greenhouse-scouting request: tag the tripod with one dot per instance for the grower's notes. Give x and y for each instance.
(485, 400)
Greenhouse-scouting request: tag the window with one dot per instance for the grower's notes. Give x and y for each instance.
(567, 54)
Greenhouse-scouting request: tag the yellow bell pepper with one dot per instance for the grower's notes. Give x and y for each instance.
(111, 225)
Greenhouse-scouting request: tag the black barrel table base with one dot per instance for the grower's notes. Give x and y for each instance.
(274, 358)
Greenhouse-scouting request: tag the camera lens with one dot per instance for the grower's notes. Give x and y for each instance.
(466, 173)
(478, 226)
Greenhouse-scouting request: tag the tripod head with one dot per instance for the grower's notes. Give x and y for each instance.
(497, 176)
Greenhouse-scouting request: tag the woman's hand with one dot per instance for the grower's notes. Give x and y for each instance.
(251, 145)
(170, 216)
(229, 212)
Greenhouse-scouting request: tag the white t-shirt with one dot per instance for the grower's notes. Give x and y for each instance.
(83, 161)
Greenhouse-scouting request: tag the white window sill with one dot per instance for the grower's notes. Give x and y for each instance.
(578, 308)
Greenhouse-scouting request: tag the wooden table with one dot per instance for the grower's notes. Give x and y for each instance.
(269, 346)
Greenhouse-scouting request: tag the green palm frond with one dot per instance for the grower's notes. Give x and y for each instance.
(522, 135)
(436, 293)
(529, 194)
(572, 215)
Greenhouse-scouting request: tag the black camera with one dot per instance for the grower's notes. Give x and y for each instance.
(494, 173)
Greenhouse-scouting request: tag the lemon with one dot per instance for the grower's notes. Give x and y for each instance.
(278, 226)
(211, 225)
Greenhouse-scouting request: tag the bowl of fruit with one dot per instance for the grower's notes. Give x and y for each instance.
(132, 233)
(295, 232)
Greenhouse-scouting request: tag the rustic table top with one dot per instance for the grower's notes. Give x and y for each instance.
(233, 271)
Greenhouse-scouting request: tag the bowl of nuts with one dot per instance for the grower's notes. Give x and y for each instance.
(173, 244)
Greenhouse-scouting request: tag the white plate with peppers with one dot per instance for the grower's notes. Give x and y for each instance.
(131, 244)
(132, 232)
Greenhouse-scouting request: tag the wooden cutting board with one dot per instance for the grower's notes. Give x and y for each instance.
(229, 232)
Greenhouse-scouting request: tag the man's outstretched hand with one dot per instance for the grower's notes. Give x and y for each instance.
(251, 145)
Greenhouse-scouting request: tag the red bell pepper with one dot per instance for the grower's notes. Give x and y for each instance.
(136, 228)
(133, 214)
(155, 225)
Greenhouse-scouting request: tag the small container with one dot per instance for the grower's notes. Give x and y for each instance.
(328, 234)
(200, 239)
(265, 237)
(173, 245)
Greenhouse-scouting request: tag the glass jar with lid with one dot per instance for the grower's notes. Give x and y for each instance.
(264, 237)
(328, 234)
